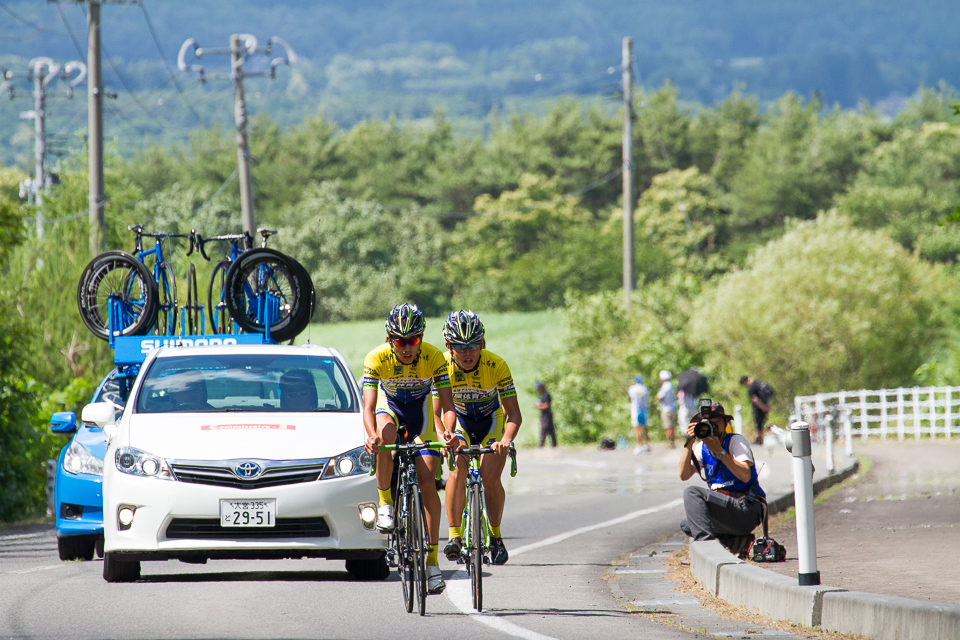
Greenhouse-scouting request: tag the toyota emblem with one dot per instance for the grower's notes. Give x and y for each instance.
(248, 470)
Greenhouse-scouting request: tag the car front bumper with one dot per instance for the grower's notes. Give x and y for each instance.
(193, 510)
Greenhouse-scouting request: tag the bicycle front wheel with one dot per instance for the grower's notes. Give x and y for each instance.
(216, 304)
(477, 535)
(193, 309)
(265, 288)
(418, 527)
(117, 280)
(167, 309)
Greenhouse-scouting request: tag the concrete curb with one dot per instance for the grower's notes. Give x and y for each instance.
(832, 609)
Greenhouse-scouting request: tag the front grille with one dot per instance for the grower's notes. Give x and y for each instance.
(221, 474)
(210, 529)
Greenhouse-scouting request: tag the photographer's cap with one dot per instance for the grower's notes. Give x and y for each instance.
(665, 375)
(716, 407)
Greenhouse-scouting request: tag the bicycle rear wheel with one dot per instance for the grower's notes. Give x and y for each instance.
(420, 542)
(116, 278)
(167, 309)
(216, 304)
(265, 288)
(477, 542)
(193, 308)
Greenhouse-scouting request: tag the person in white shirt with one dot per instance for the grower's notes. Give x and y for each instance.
(639, 399)
(667, 396)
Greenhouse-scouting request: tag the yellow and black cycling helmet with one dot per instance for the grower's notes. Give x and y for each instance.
(463, 327)
(405, 320)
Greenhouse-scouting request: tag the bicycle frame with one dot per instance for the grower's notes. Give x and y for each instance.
(167, 293)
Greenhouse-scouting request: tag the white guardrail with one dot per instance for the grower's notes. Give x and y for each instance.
(913, 412)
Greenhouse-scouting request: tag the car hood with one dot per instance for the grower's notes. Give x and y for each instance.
(266, 436)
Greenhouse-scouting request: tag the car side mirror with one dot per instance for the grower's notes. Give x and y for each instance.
(99, 414)
(63, 422)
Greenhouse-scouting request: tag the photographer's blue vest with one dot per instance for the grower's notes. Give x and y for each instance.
(719, 477)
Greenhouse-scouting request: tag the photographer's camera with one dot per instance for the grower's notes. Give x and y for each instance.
(703, 429)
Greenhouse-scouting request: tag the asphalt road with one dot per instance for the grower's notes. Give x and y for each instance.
(570, 515)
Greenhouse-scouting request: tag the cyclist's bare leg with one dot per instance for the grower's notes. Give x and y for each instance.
(387, 430)
(491, 467)
(427, 474)
(455, 493)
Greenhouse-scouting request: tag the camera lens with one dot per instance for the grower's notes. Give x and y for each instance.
(702, 429)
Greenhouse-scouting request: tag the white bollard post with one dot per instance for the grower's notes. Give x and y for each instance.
(799, 446)
(847, 432)
(737, 420)
(828, 434)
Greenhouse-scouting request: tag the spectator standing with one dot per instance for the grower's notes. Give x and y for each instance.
(639, 399)
(667, 396)
(760, 394)
(547, 428)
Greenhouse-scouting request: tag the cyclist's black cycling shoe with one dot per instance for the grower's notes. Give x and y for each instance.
(453, 549)
(498, 552)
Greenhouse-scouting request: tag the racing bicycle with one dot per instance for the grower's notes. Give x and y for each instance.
(410, 540)
(260, 290)
(476, 531)
(119, 295)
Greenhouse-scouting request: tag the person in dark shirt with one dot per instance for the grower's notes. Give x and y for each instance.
(546, 415)
(759, 395)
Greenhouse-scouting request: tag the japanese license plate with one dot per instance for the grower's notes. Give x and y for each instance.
(248, 513)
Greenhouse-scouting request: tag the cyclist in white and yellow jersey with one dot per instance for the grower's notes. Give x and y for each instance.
(488, 415)
(397, 379)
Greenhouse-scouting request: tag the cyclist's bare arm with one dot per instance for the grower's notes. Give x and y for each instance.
(512, 420)
(370, 420)
(448, 416)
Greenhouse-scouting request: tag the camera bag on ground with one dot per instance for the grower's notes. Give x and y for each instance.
(768, 550)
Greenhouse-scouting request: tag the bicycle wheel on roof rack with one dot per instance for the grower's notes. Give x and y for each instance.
(266, 288)
(117, 279)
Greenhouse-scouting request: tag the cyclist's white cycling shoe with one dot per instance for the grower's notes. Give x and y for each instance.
(435, 583)
(385, 518)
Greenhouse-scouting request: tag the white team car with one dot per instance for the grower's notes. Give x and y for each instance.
(242, 451)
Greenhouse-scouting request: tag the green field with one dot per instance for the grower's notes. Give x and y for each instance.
(527, 341)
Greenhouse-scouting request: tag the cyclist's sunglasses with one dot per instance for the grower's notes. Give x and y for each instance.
(466, 347)
(403, 342)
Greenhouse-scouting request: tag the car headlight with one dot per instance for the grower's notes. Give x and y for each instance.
(78, 460)
(351, 463)
(140, 463)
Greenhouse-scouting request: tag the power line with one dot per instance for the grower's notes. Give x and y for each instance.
(168, 66)
(66, 23)
(30, 23)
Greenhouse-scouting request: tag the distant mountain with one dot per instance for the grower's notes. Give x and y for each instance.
(373, 58)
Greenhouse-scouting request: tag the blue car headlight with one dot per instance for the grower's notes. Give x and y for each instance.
(353, 462)
(140, 463)
(78, 460)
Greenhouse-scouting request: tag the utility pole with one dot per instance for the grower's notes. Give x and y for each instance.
(96, 197)
(242, 46)
(42, 71)
(629, 267)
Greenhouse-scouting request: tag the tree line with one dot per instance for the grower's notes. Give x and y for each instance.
(797, 243)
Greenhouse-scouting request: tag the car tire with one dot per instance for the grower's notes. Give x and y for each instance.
(369, 568)
(116, 570)
(76, 547)
(98, 547)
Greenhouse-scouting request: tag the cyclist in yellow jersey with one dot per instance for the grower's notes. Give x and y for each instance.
(488, 414)
(397, 380)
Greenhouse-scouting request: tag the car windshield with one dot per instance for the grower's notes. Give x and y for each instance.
(246, 382)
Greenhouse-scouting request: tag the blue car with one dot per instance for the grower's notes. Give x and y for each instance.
(78, 495)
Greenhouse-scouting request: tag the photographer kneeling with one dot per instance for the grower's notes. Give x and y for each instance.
(734, 504)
